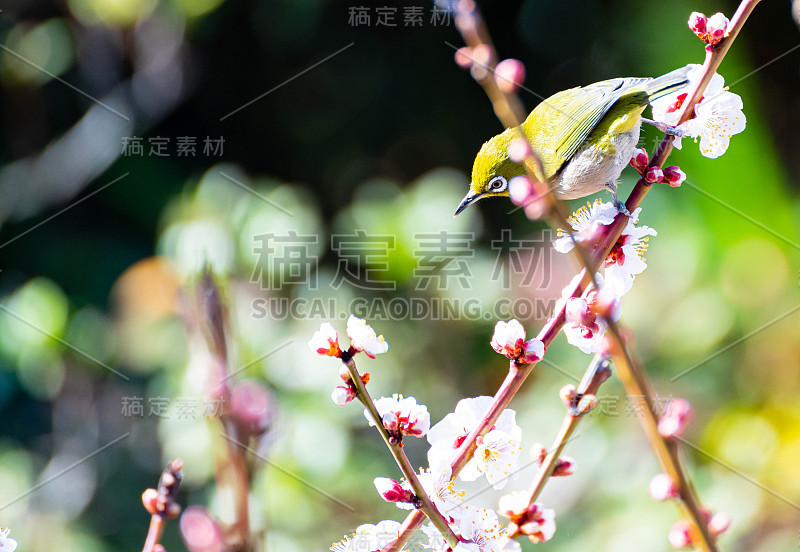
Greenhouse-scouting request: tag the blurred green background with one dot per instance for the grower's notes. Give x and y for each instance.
(379, 138)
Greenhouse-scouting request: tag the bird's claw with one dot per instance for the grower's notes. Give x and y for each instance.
(666, 129)
(620, 206)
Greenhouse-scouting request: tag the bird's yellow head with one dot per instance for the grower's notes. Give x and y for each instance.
(492, 171)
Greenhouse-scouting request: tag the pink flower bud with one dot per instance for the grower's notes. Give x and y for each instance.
(518, 149)
(564, 466)
(677, 416)
(532, 351)
(568, 395)
(697, 23)
(391, 491)
(639, 160)
(535, 208)
(390, 421)
(342, 395)
(464, 57)
(150, 501)
(654, 174)
(679, 535)
(251, 405)
(674, 176)
(662, 487)
(509, 75)
(538, 452)
(719, 523)
(200, 532)
(520, 188)
(716, 28)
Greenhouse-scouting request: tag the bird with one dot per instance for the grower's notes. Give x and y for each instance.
(583, 137)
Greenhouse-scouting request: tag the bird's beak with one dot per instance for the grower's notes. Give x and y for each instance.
(469, 199)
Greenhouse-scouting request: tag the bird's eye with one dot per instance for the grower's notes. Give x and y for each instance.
(498, 184)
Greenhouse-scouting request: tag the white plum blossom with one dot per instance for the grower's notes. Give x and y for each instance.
(369, 537)
(625, 260)
(7, 544)
(480, 528)
(325, 341)
(585, 222)
(496, 455)
(533, 520)
(363, 337)
(498, 451)
(402, 416)
(509, 340)
(438, 484)
(717, 116)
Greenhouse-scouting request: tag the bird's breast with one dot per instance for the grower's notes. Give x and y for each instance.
(597, 164)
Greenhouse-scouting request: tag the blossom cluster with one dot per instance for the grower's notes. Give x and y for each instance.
(497, 457)
(715, 118)
(586, 316)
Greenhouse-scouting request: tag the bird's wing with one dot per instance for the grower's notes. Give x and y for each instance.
(586, 106)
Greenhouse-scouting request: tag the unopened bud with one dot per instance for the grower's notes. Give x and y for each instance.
(662, 487)
(639, 160)
(391, 491)
(200, 532)
(150, 501)
(520, 189)
(697, 23)
(391, 421)
(679, 535)
(564, 466)
(716, 28)
(251, 405)
(568, 395)
(509, 75)
(654, 174)
(677, 416)
(674, 176)
(518, 149)
(719, 523)
(342, 395)
(464, 57)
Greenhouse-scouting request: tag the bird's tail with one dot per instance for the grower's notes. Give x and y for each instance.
(666, 84)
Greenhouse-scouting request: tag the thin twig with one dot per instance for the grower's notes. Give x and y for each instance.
(396, 448)
(597, 372)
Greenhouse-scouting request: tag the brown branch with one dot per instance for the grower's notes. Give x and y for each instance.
(396, 448)
(161, 504)
(597, 372)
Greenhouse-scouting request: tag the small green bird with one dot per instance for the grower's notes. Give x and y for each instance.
(583, 136)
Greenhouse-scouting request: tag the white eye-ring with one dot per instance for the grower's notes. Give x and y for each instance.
(498, 184)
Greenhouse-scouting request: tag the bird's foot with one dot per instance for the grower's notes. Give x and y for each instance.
(618, 204)
(666, 129)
